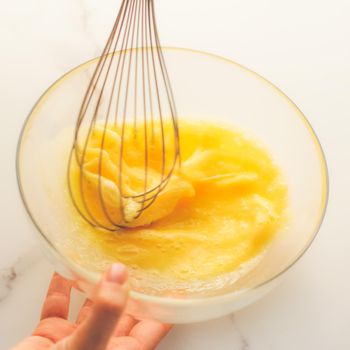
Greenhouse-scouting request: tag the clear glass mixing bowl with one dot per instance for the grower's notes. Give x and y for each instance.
(206, 87)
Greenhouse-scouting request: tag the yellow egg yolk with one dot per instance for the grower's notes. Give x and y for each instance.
(221, 208)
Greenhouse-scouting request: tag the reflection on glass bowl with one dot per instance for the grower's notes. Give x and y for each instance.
(210, 88)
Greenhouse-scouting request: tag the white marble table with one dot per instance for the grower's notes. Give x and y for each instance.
(302, 46)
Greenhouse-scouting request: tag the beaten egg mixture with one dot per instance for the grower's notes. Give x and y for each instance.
(221, 208)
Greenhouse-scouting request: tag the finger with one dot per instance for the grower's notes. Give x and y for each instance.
(54, 329)
(84, 311)
(34, 342)
(149, 333)
(124, 343)
(109, 300)
(125, 325)
(57, 300)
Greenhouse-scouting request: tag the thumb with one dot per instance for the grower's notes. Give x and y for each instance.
(109, 300)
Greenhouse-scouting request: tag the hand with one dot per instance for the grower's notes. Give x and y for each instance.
(100, 324)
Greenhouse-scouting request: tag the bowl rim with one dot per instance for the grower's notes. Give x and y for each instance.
(165, 300)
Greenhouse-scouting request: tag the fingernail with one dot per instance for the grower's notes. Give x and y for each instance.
(117, 273)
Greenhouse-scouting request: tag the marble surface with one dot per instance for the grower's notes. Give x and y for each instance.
(302, 46)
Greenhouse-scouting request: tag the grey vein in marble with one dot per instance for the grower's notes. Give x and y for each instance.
(9, 274)
(243, 339)
(85, 18)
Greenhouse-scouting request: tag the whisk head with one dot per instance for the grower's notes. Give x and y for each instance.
(126, 140)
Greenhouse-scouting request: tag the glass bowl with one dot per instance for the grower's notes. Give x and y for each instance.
(207, 87)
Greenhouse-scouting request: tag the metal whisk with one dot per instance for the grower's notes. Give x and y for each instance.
(129, 88)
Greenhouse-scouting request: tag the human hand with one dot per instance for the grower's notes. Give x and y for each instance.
(101, 323)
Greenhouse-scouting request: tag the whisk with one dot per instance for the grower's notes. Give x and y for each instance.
(129, 88)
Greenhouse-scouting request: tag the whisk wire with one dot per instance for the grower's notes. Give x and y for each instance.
(132, 59)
